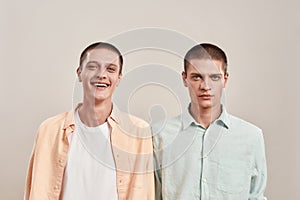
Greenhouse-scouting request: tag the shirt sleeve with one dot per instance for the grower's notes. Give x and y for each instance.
(158, 187)
(157, 168)
(29, 177)
(259, 178)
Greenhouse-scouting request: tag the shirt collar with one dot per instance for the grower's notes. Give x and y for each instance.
(70, 120)
(223, 119)
(187, 118)
(115, 114)
(69, 123)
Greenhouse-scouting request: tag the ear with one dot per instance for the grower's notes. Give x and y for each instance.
(119, 79)
(183, 74)
(79, 73)
(226, 75)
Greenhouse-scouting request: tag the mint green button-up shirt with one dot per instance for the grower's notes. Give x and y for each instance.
(226, 161)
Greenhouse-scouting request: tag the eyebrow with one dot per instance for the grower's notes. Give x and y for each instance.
(90, 62)
(107, 64)
(193, 74)
(112, 64)
(199, 74)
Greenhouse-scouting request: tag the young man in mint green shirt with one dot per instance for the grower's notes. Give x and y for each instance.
(206, 153)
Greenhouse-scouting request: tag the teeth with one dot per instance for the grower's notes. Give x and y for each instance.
(100, 85)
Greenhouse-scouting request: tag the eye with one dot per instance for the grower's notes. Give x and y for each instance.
(111, 68)
(91, 67)
(215, 77)
(196, 77)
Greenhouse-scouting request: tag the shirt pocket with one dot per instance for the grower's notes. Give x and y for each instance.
(233, 176)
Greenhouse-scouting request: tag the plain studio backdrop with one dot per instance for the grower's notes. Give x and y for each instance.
(41, 41)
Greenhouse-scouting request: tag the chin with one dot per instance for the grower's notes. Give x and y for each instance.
(205, 106)
(100, 98)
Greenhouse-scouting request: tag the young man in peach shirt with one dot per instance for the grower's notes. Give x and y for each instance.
(94, 151)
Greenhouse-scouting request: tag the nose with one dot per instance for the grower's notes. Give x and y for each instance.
(204, 85)
(101, 73)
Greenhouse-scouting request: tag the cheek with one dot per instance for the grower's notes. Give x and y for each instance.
(118, 80)
(87, 75)
(219, 89)
(115, 80)
(218, 85)
(193, 89)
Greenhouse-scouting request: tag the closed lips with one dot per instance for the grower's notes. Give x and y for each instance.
(205, 95)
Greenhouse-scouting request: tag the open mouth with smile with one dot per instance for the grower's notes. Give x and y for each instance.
(101, 85)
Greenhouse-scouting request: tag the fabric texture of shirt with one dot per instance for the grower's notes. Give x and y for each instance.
(226, 161)
(90, 172)
(132, 150)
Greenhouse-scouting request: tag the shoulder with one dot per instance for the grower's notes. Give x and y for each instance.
(53, 121)
(244, 127)
(167, 124)
(137, 129)
(52, 125)
(138, 121)
(166, 132)
(236, 121)
(129, 119)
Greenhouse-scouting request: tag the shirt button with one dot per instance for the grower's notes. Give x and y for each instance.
(56, 187)
(204, 180)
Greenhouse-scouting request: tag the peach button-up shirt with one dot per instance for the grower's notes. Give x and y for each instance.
(132, 150)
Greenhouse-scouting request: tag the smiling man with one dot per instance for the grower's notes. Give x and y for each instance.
(95, 151)
(206, 153)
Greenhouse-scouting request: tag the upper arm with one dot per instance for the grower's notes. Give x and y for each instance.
(29, 177)
(259, 177)
(157, 166)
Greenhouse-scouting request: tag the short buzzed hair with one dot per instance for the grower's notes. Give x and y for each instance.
(101, 45)
(205, 51)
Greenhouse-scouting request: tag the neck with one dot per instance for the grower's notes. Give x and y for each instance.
(205, 116)
(95, 113)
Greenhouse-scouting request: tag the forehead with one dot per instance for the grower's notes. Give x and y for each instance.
(205, 66)
(102, 55)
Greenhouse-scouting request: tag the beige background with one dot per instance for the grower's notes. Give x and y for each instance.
(41, 41)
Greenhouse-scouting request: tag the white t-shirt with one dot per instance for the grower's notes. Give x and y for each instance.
(90, 171)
